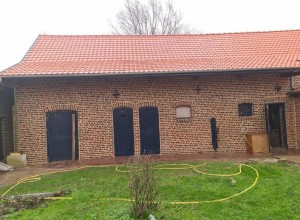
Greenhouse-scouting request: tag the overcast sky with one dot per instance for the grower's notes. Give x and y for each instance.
(23, 20)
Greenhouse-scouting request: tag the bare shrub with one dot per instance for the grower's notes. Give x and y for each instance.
(142, 186)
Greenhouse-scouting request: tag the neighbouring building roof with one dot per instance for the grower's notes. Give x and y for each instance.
(133, 54)
(294, 92)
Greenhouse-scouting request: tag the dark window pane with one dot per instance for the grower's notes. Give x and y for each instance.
(245, 109)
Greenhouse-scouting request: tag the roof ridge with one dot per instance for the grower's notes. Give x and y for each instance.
(166, 35)
(165, 59)
(254, 32)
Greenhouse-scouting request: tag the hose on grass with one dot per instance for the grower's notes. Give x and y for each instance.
(38, 177)
(158, 167)
(223, 175)
(180, 166)
(188, 166)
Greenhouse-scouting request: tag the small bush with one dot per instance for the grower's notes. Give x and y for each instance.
(13, 205)
(142, 186)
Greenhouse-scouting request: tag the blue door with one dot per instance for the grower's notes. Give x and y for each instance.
(149, 130)
(123, 131)
(61, 135)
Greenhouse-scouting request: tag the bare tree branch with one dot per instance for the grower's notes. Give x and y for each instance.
(147, 19)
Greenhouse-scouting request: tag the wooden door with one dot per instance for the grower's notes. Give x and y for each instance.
(276, 125)
(123, 131)
(62, 143)
(149, 130)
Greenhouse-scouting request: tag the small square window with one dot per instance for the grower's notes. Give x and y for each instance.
(245, 109)
(183, 112)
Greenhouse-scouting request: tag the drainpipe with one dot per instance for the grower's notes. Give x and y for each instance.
(15, 124)
(295, 122)
(292, 86)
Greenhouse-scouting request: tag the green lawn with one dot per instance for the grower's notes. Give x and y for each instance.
(275, 196)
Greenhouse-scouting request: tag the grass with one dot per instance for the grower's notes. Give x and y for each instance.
(276, 195)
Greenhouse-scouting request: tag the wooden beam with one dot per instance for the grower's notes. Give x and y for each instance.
(38, 195)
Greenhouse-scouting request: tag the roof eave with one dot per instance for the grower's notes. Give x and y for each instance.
(289, 71)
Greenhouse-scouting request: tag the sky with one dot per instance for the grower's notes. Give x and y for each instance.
(21, 21)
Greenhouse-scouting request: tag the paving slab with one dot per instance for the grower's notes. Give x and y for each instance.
(291, 158)
(269, 160)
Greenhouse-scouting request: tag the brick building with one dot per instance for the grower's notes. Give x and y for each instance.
(80, 97)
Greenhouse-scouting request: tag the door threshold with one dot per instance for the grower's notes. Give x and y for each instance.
(278, 150)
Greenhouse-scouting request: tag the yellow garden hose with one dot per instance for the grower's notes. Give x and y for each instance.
(160, 167)
(223, 175)
(213, 174)
(38, 177)
(189, 166)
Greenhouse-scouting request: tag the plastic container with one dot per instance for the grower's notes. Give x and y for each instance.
(16, 160)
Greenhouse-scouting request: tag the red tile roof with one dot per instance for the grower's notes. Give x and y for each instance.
(123, 54)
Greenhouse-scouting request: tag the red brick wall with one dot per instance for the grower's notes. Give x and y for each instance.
(92, 98)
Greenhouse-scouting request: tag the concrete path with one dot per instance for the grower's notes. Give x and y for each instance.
(11, 177)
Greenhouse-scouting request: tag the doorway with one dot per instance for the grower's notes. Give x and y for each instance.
(1, 141)
(149, 130)
(123, 131)
(62, 135)
(276, 125)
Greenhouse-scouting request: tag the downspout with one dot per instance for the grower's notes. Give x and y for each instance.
(294, 111)
(291, 83)
(295, 123)
(15, 124)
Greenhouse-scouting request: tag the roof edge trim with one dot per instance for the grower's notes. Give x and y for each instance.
(295, 71)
